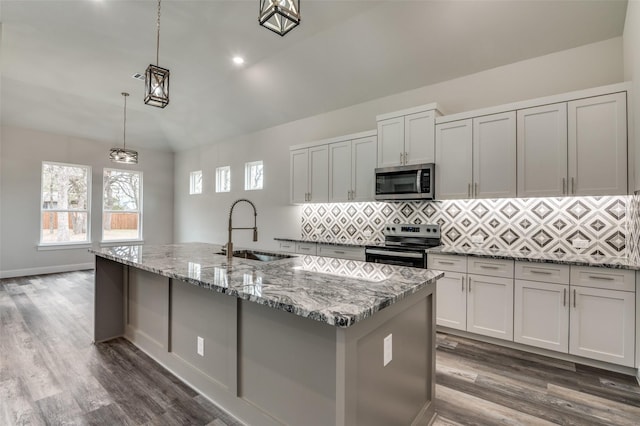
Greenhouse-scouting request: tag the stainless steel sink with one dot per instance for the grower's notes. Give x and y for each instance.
(262, 256)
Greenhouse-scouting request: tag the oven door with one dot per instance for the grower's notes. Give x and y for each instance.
(413, 259)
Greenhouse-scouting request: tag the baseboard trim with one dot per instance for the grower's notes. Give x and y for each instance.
(46, 270)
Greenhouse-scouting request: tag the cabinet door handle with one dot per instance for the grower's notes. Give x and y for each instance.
(476, 189)
(564, 185)
(469, 284)
(469, 190)
(564, 297)
(405, 157)
(574, 297)
(353, 195)
(573, 187)
(401, 158)
(462, 282)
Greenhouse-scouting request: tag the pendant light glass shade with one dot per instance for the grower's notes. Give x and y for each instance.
(279, 16)
(156, 79)
(124, 155)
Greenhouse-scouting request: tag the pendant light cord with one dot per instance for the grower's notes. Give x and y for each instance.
(158, 37)
(124, 131)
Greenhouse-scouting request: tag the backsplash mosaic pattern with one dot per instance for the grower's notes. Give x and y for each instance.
(633, 233)
(524, 224)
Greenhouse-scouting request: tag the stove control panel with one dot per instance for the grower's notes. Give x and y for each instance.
(412, 230)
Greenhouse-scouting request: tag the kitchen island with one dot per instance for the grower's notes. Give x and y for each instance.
(300, 340)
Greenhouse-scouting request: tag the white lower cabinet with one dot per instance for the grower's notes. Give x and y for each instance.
(490, 306)
(541, 315)
(583, 311)
(451, 301)
(602, 325)
(476, 303)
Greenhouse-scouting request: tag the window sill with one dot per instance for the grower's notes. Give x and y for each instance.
(63, 246)
(113, 243)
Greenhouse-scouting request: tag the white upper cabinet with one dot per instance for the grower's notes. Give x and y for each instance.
(542, 151)
(476, 158)
(454, 161)
(299, 175)
(406, 137)
(308, 175)
(340, 172)
(494, 156)
(363, 166)
(352, 170)
(598, 145)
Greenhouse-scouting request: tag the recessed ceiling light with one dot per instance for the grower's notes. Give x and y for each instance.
(238, 60)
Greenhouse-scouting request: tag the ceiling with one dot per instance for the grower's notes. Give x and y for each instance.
(65, 63)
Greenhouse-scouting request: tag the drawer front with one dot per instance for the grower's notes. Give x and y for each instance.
(491, 267)
(447, 262)
(353, 253)
(605, 278)
(288, 246)
(542, 272)
(306, 248)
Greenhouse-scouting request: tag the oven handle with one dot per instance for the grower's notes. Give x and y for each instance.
(395, 253)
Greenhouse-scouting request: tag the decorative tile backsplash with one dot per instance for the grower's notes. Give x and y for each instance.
(527, 224)
(633, 233)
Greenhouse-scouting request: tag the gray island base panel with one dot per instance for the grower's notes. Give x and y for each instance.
(300, 341)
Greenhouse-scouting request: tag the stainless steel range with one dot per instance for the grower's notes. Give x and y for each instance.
(405, 244)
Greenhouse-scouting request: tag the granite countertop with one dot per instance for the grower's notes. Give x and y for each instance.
(338, 292)
(336, 242)
(542, 257)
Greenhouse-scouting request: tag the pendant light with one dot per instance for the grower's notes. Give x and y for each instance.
(279, 16)
(157, 78)
(124, 155)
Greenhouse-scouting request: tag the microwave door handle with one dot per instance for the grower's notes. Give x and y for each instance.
(418, 181)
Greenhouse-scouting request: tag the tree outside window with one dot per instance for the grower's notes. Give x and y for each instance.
(223, 179)
(122, 205)
(65, 199)
(253, 176)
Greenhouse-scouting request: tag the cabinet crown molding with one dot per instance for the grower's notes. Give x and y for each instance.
(421, 108)
(352, 136)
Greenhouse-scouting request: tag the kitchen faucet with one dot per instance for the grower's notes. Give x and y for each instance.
(231, 228)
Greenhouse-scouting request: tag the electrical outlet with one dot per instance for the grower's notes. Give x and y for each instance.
(477, 239)
(388, 350)
(200, 346)
(580, 244)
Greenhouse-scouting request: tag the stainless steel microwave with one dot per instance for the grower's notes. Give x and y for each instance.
(415, 182)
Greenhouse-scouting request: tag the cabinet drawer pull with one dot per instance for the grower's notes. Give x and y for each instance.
(489, 267)
(574, 297)
(462, 282)
(537, 271)
(305, 248)
(445, 262)
(564, 297)
(338, 252)
(596, 277)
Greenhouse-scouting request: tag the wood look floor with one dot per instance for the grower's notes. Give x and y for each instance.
(51, 374)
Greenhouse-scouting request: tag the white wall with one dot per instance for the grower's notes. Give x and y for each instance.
(22, 153)
(204, 217)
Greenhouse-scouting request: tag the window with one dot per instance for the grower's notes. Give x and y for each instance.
(64, 217)
(223, 179)
(195, 182)
(122, 205)
(253, 175)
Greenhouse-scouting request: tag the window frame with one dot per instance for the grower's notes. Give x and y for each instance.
(247, 175)
(42, 245)
(220, 190)
(139, 238)
(193, 189)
